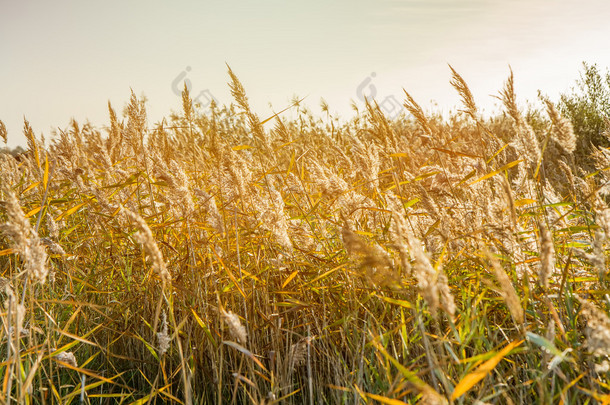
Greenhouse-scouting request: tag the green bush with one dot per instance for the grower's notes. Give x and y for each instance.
(588, 107)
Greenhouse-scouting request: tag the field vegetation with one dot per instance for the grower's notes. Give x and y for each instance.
(221, 257)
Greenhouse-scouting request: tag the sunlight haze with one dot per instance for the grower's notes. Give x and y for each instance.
(66, 59)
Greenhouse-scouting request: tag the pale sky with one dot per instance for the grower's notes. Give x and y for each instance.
(65, 59)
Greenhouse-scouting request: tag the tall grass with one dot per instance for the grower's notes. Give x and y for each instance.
(223, 258)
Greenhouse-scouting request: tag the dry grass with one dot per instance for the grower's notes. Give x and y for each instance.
(218, 258)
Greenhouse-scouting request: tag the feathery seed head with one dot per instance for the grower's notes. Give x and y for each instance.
(597, 328)
(3, 133)
(66, 357)
(507, 290)
(563, 131)
(236, 329)
(145, 237)
(547, 256)
(163, 339)
(464, 91)
(25, 239)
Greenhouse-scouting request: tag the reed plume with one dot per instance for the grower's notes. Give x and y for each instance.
(145, 237)
(464, 91)
(163, 338)
(563, 131)
(431, 284)
(507, 290)
(25, 239)
(547, 256)
(3, 133)
(236, 329)
(415, 110)
(239, 94)
(525, 142)
(597, 332)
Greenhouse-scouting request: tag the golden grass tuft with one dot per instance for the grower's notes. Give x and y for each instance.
(355, 258)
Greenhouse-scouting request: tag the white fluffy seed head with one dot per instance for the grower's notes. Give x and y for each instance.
(236, 329)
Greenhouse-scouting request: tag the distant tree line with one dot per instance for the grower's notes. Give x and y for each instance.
(13, 151)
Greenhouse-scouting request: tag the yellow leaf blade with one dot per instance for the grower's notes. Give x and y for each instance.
(241, 147)
(290, 277)
(497, 152)
(524, 201)
(70, 211)
(33, 212)
(244, 351)
(31, 186)
(500, 170)
(45, 176)
(477, 375)
(6, 252)
(385, 400)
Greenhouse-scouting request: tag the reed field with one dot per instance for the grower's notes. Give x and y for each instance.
(222, 257)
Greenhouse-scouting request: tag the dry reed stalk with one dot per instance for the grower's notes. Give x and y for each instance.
(569, 175)
(53, 246)
(179, 183)
(300, 233)
(383, 131)
(240, 172)
(239, 94)
(602, 215)
(375, 261)
(114, 144)
(52, 227)
(507, 95)
(507, 290)
(103, 156)
(103, 201)
(510, 202)
(354, 244)
(15, 315)
(25, 239)
(355, 205)
(597, 333)
(187, 104)
(399, 231)
(597, 257)
(328, 182)
(214, 218)
(32, 142)
(3, 133)
(547, 256)
(10, 169)
(528, 145)
(447, 301)
(526, 142)
(368, 159)
(136, 126)
(419, 115)
(297, 354)
(464, 91)
(563, 131)
(270, 207)
(145, 237)
(428, 281)
(601, 158)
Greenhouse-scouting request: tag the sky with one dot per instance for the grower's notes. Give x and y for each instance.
(65, 60)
